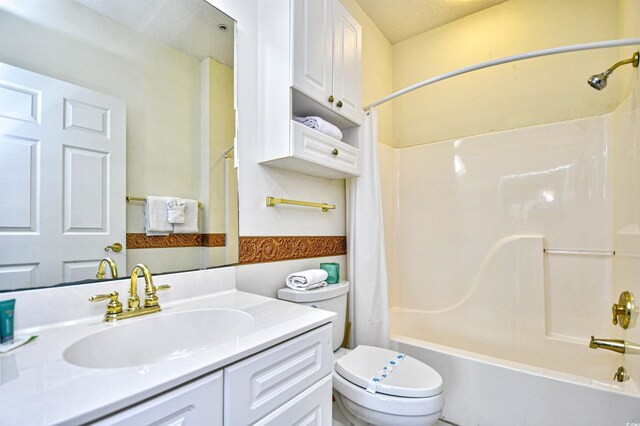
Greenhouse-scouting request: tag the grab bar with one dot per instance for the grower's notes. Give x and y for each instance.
(581, 252)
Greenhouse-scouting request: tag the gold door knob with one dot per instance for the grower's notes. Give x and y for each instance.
(331, 99)
(621, 311)
(339, 104)
(115, 247)
(335, 151)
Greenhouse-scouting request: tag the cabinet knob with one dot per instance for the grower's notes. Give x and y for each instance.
(331, 99)
(339, 104)
(335, 151)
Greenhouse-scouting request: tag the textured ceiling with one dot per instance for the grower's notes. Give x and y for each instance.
(189, 26)
(402, 19)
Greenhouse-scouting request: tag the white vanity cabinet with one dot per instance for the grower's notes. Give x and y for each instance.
(288, 384)
(310, 54)
(327, 44)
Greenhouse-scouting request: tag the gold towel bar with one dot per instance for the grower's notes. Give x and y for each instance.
(129, 198)
(271, 202)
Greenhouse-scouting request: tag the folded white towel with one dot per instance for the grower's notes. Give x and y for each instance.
(307, 280)
(156, 221)
(176, 210)
(190, 225)
(320, 125)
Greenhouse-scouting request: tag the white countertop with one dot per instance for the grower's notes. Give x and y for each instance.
(38, 387)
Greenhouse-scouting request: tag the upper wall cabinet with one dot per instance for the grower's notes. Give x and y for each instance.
(309, 59)
(327, 43)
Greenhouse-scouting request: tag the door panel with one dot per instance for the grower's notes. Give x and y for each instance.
(312, 48)
(347, 73)
(62, 163)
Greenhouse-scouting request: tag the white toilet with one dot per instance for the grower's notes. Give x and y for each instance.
(406, 393)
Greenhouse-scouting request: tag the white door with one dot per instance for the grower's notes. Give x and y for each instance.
(62, 179)
(347, 77)
(312, 48)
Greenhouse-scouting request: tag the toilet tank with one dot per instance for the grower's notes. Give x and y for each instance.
(331, 298)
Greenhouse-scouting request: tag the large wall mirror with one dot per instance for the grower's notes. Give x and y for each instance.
(102, 104)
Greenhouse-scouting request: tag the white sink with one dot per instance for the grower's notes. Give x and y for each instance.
(157, 337)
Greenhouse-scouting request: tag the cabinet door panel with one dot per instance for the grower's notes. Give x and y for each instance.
(312, 48)
(260, 384)
(197, 403)
(347, 77)
(311, 408)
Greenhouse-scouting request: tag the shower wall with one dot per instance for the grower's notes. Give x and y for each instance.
(466, 221)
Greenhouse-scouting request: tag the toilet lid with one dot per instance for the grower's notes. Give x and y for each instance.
(410, 377)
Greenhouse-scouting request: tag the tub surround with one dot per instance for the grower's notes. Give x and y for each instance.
(40, 387)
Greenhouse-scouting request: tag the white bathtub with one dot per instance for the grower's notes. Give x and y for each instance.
(483, 390)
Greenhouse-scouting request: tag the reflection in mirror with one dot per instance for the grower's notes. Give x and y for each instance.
(104, 100)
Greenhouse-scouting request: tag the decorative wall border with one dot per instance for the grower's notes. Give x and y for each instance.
(272, 249)
(142, 241)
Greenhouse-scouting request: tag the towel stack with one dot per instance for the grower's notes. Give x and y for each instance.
(307, 280)
(165, 215)
(320, 125)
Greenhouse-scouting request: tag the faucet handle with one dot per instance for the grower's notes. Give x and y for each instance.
(114, 307)
(151, 300)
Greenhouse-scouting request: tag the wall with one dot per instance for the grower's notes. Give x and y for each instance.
(520, 94)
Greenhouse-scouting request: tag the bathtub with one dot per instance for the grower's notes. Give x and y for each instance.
(503, 358)
(484, 390)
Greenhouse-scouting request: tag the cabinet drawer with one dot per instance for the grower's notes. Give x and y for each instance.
(196, 403)
(311, 408)
(258, 385)
(318, 148)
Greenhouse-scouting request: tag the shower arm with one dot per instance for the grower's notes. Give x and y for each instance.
(633, 60)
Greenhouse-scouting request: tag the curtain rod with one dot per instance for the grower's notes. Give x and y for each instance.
(507, 59)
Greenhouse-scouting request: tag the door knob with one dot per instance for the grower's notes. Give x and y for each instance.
(115, 247)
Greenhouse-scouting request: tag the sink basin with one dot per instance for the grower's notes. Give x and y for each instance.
(157, 337)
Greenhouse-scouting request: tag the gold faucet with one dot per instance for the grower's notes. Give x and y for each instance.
(114, 308)
(112, 265)
(614, 345)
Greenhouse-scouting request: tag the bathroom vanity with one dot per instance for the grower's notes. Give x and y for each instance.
(213, 355)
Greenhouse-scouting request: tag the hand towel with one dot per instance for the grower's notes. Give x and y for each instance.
(190, 225)
(320, 125)
(156, 221)
(176, 210)
(307, 280)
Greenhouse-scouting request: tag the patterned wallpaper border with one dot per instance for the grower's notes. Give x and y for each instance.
(142, 241)
(272, 249)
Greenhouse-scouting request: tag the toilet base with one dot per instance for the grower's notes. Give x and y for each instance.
(358, 415)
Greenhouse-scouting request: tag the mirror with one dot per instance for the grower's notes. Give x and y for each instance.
(103, 103)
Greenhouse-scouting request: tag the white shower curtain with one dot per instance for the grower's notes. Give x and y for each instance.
(367, 266)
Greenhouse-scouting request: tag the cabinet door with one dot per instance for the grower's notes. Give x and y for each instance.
(312, 48)
(310, 408)
(347, 77)
(197, 403)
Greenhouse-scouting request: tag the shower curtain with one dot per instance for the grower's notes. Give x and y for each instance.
(367, 266)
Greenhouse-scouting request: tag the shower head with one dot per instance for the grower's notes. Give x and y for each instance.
(599, 81)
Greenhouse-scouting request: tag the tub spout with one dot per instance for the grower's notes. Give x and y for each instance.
(614, 345)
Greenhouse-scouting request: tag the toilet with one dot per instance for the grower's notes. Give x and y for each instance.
(374, 385)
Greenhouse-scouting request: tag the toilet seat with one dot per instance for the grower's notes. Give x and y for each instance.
(412, 389)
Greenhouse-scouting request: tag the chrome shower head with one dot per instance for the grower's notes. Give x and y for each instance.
(599, 81)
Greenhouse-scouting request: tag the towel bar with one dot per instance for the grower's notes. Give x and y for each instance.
(271, 202)
(129, 198)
